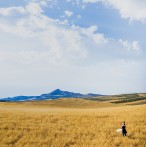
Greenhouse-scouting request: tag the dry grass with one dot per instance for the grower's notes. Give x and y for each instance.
(34, 125)
(63, 103)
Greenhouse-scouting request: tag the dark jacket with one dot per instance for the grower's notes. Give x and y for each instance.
(124, 129)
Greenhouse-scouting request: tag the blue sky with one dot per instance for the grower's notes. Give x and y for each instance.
(76, 45)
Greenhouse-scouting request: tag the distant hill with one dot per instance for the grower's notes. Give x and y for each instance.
(125, 98)
(56, 94)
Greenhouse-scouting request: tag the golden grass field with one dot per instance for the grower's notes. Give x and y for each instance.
(71, 123)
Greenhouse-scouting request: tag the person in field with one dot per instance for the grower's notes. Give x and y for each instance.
(124, 132)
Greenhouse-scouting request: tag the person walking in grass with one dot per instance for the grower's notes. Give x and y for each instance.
(124, 132)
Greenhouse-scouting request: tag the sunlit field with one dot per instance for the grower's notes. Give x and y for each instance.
(77, 123)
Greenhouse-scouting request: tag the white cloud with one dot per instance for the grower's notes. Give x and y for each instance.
(129, 9)
(68, 13)
(68, 0)
(34, 8)
(74, 2)
(79, 16)
(90, 1)
(11, 11)
(37, 50)
(130, 45)
(43, 3)
(65, 43)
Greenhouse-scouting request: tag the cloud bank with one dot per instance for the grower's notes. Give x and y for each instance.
(38, 50)
(134, 10)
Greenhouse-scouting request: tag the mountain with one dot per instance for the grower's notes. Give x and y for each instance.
(56, 94)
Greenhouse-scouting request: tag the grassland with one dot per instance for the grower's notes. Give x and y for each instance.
(130, 98)
(71, 123)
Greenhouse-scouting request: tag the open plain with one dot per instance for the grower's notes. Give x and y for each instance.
(71, 123)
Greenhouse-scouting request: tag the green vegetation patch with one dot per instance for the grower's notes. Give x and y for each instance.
(129, 99)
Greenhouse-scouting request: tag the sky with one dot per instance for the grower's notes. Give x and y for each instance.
(86, 46)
